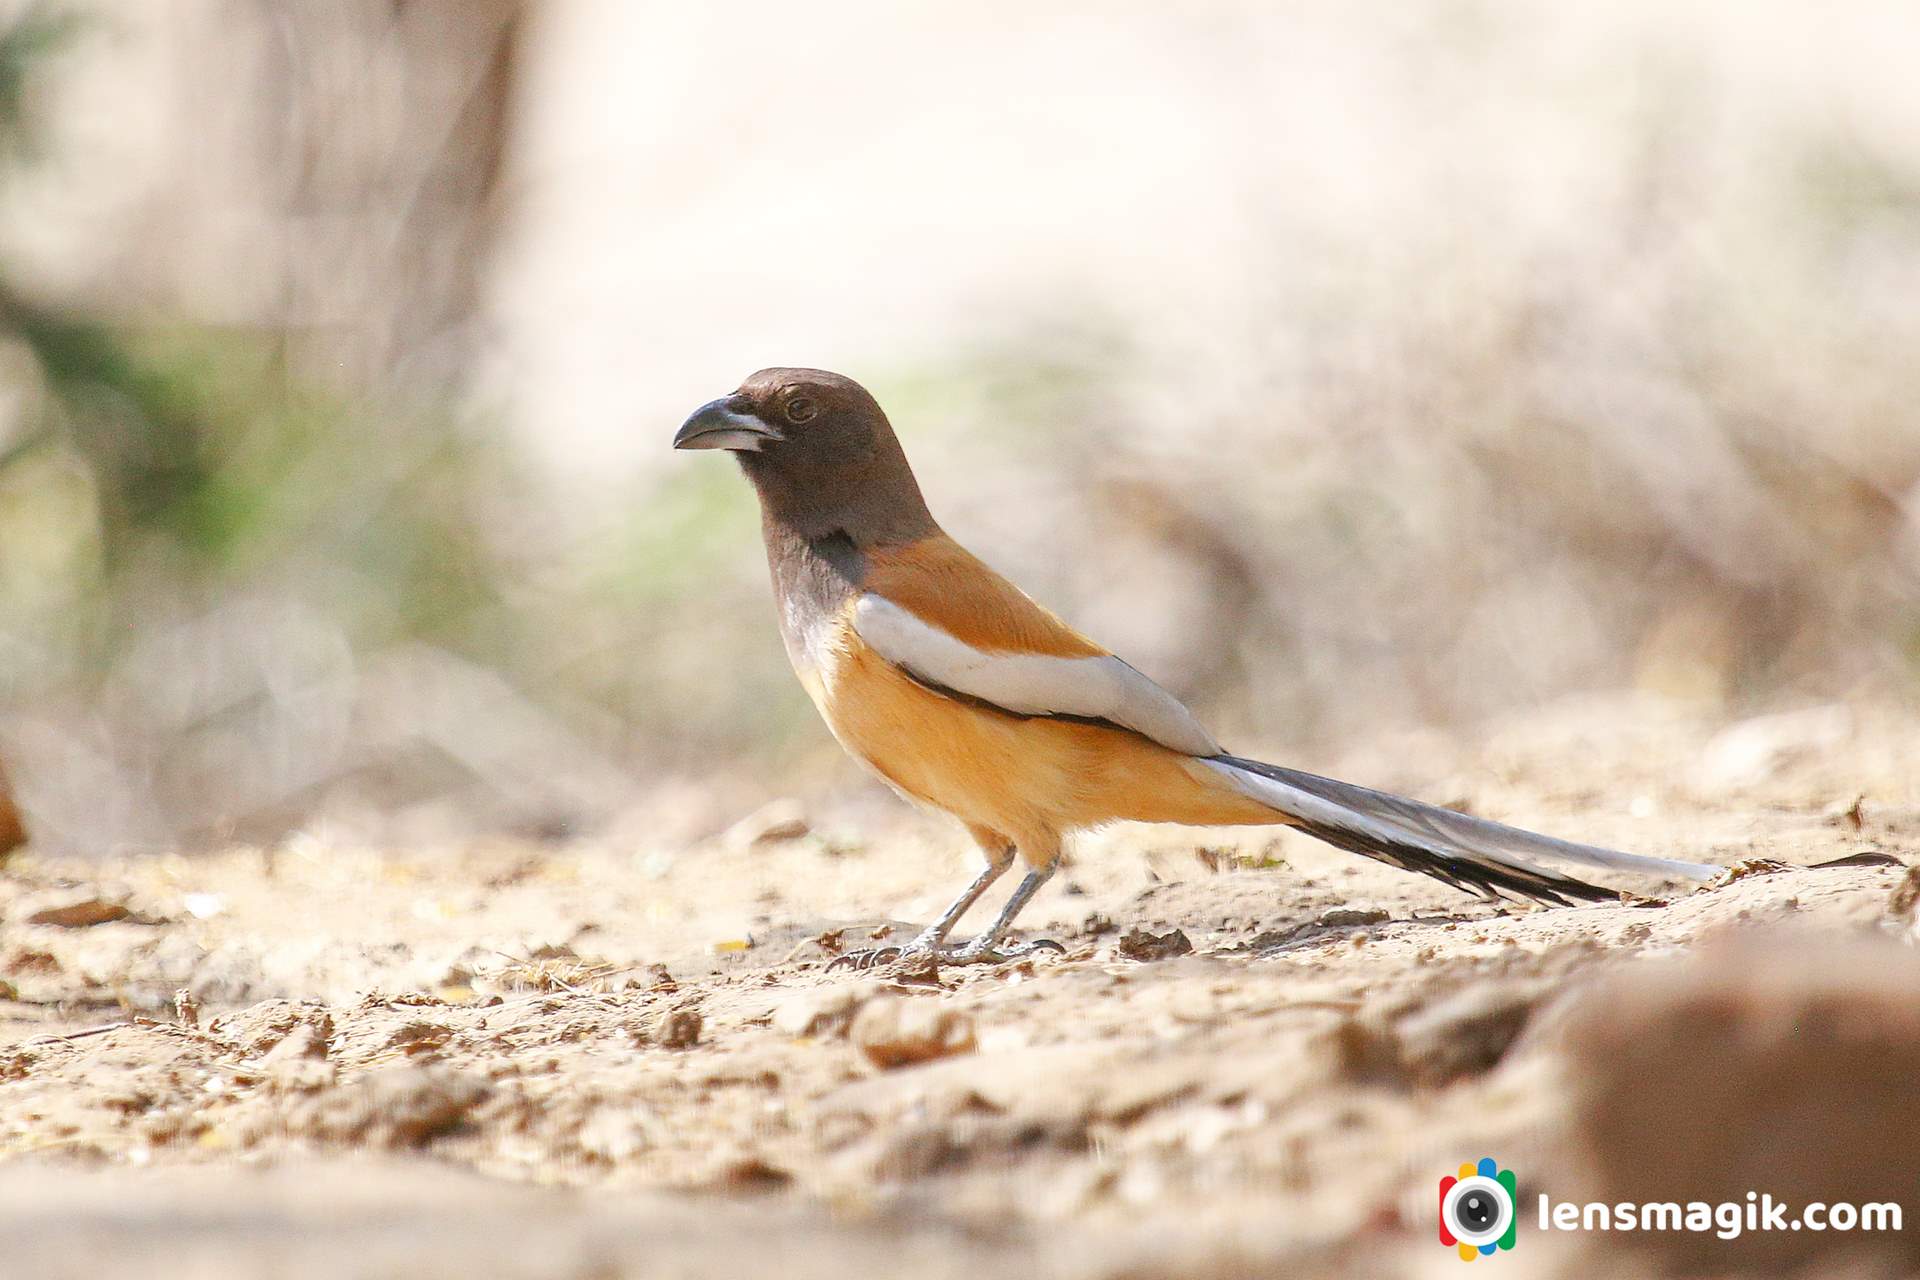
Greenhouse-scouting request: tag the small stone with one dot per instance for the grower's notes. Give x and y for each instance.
(1748, 867)
(298, 1064)
(397, 1108)
(827, 1012)
(752, 1175)
(419, 1039)
(83, 914)
(1138, 944)
(31, 961)
(775, 823)
(677, 1029)
(916, 967)
(891, 1031)
(1467, 1033)
(1347, 918)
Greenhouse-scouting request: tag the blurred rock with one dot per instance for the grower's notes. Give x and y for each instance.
(268, 1024)
(1906, 895)
(309, 1040)
(1362, 1051)
(13, 829)
(1903, 905)
(773, 823)
(1139, 944)
(1467, 1033)
(82, 914)
(298, 1064)
(751, 1175)
(1782, 1064)
(396, 1108)
(32, 961)
(677, 1029)
(1752, 751)
(828, 1011)
(894, 1032)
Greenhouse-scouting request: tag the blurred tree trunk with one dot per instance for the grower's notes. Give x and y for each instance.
(332, 186)
(382, 137)
(317, 223)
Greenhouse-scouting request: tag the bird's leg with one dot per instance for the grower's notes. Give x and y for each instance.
(999, 858)
(986, 947)
(936, 933)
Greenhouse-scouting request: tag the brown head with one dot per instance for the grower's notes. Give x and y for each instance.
(819, 451)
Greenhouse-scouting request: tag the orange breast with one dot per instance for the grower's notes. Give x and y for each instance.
(1031, 779)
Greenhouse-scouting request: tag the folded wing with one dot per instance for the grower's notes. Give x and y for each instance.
(1098, 687)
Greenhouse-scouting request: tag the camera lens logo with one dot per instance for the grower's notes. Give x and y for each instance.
(1476, 1210)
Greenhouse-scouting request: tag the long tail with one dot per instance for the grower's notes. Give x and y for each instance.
(1475, 854)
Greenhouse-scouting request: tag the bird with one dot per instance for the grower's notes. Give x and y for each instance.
(970, 699)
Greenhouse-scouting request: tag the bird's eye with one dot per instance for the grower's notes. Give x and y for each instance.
(800, 409)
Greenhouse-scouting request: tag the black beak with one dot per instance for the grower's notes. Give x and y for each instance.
(725, 424)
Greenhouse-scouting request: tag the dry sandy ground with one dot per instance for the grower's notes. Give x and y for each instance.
(518, 1060)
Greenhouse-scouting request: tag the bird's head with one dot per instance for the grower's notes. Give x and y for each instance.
(819, 450)
(807, 416)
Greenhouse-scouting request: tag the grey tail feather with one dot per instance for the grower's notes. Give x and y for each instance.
(1470, 853)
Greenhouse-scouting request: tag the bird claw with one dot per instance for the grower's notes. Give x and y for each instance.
(919, 956)
(1004, 954)
(861, 961)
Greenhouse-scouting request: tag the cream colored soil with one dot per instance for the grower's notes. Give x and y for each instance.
(590, 1060)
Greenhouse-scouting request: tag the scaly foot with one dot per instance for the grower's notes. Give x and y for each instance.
(864, 960)
(920, 953)
(980, 951)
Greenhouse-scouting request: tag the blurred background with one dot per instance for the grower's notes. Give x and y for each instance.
(1345, 367)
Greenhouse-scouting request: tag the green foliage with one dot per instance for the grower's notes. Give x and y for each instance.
(212, 465)
(36, 32)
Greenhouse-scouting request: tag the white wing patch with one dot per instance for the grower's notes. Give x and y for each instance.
(1028, 684)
